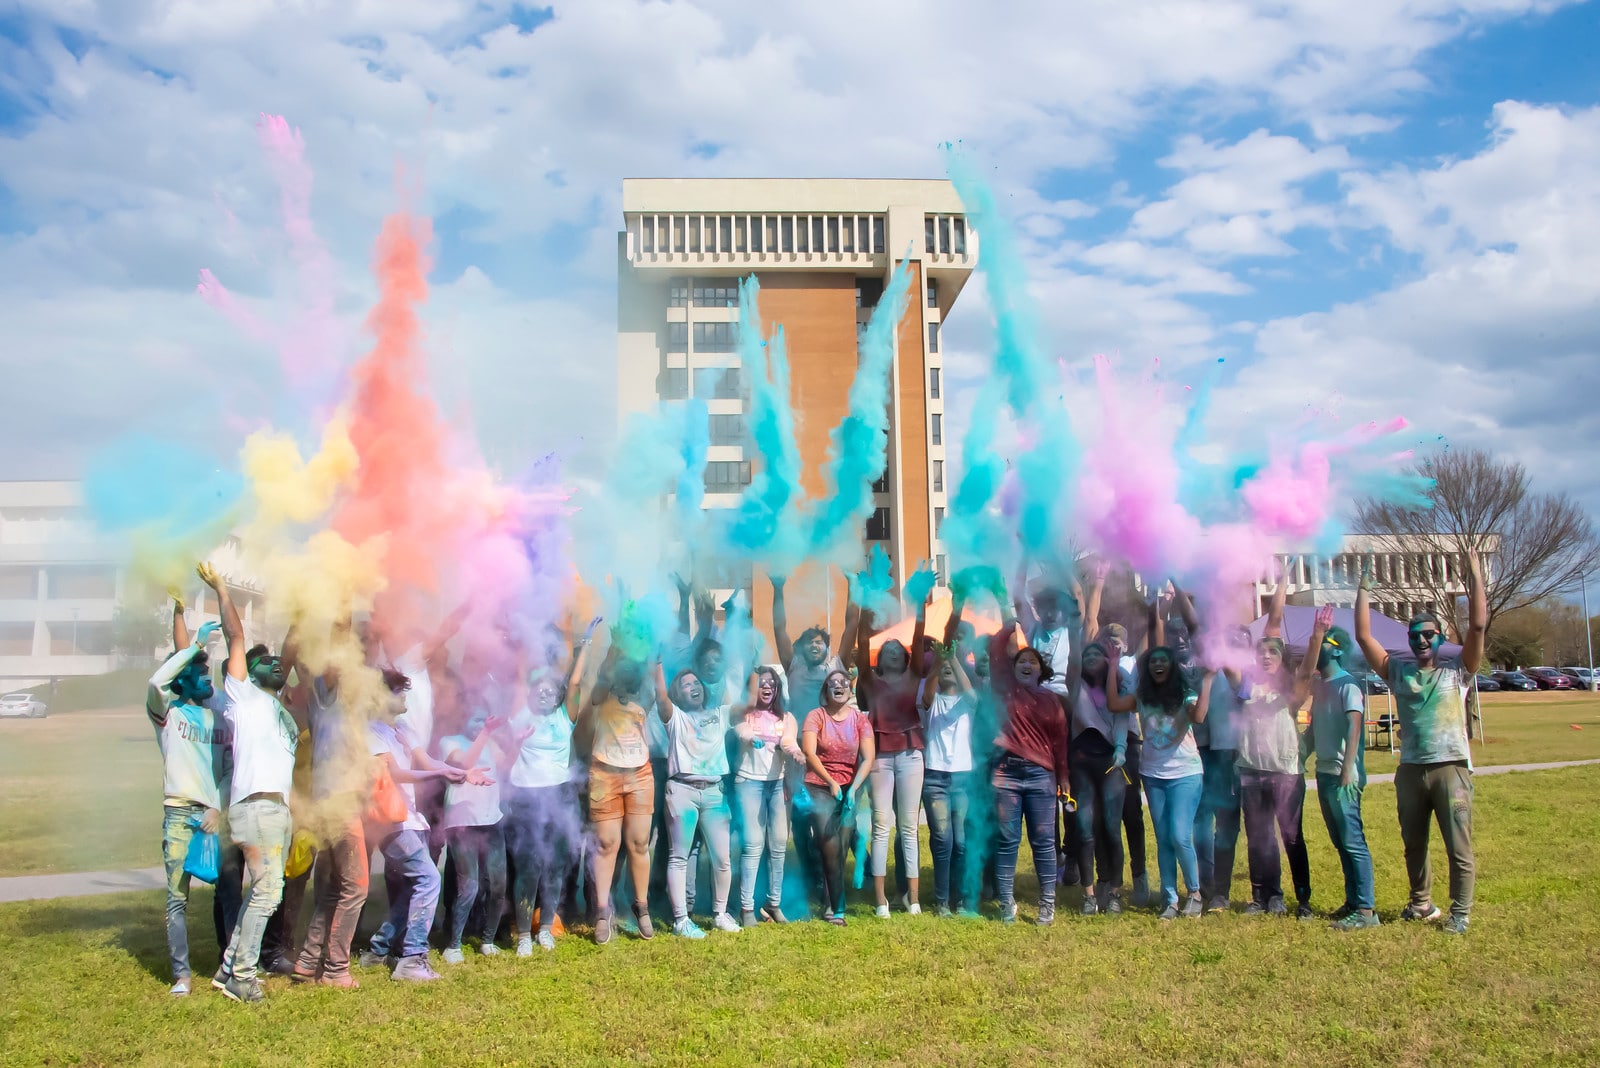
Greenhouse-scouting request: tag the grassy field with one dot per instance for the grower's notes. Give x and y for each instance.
(82, 791)
(85, 981)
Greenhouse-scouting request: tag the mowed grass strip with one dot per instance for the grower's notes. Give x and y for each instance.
(85, 980)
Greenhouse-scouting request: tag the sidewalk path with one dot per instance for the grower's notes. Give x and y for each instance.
(86, 884)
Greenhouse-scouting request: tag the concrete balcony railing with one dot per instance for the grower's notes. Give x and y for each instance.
(678, 241)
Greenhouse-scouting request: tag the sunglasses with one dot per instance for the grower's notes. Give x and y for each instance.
(1424, 636)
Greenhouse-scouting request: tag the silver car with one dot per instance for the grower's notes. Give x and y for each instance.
(21, 706)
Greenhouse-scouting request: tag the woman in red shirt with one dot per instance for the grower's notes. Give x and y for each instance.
(892, 687)
(838, 746)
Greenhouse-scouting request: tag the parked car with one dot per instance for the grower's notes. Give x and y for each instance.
(1515, 680)
(1583, 677)
(1486, 684)
(1373, 683)
(22, 705)
(1549, 678)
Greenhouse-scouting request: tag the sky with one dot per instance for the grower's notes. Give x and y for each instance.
(1363, 206)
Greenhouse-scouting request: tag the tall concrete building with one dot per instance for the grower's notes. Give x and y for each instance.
(822, 250)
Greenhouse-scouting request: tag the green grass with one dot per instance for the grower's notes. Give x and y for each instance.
(1521, 728)
(85, 981)
(86, 693)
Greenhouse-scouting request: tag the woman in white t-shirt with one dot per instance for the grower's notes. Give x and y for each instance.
(475, 832)
(947, 702)
(769, 744)
(697, 762)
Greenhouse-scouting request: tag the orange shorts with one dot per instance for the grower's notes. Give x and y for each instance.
(618, 792)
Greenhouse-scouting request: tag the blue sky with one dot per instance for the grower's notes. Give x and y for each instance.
(1395, 204)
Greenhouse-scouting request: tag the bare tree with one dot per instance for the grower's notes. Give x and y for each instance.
(1539, 544)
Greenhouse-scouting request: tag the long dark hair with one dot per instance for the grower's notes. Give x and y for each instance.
(1167, 696)
(777, 708)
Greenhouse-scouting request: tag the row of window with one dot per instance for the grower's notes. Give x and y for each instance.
(761, 233)
(878, 527)
(710, 383)
(703, 293)
(708, 337)
(727, 476)
(944, 233)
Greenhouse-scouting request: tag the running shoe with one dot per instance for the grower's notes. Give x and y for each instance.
(547, 940)
(882, 912)
(1276, 907)
(245, 990)
(1169, 913)
(687, 928)
(1423, 913)
(1255, 908)
(489, 949)
(525, 946)
(1008, 912)
(773, 914)
(180, 989)
(748, 918)
(1089, 908)
(1219, 904)
(414, 969)
(1356, 920)
(1192, 909)
(1047, 914)
(453, 955)
(725, 923)
(1455, 924)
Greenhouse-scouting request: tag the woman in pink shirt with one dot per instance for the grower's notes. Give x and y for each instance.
(838, 746)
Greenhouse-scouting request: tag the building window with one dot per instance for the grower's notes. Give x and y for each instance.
(960, 226)
(938, 521)
(788, 233)
(727, 430)
(715, 293)
(772, 233)
(738, 233)
(938, 476)
(868, 292)
(717, 383)
(878, 525)
(882, 485)
(944, 233)
(802, 235)
(877, 233)
(756, 243)
(933, 293)
(849, 233)
(927, 235)
(680, 225)
(818, 229)
(647, 234)
(673, 383)
(939, 569)
(714, 337)
(727, 476)
(726, 225)
(678, 293)
(933, 383)
(933, 337)
(677, 337)
(938, 429)
(833, 233)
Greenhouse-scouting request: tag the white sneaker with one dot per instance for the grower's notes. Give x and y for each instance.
(547, 941)
(882, 912)
(453, 955)
(489, 949)
(912, 907)
(525, 946)
(180, 989)
(723, 922)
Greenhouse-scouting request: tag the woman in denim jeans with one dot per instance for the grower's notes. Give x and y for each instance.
(1030, 769)
(768, 745)
(1172, 771)
(948, 705)
(890, 688)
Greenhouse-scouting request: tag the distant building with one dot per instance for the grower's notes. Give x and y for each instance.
(1407, 576)
(62, 584)
(822, 250)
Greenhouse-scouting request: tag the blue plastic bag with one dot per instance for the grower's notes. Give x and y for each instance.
(204, 856)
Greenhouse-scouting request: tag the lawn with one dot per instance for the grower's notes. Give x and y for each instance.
(85, 981)
(82, 791)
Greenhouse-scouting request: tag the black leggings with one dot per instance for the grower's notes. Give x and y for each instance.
(545, 828)
(1099, 789)
(830, 832)
(476, 851)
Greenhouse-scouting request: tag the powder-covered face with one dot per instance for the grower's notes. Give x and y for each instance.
(814, 649)
(892, 658)
(766, 690)
(1094, 662)
(691, 693)
(1425, 639)
(1027, 668)
(1160, 668)
(947, 673)
(837, 689)
(710, 666)
(194, 684)
(546, 694)
(1330, 654)
(269, 672)
(980, 662)
(1049, 610)
(1268, 658)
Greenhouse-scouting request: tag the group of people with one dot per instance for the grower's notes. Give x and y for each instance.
(533, 790)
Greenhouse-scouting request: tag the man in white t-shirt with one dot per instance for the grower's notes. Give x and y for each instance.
(264, 740)
(196, 766)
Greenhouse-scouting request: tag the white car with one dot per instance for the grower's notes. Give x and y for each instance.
(21, 705)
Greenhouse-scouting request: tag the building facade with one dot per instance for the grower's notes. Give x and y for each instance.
(822, 251)
(1408, 576)
(63, 585)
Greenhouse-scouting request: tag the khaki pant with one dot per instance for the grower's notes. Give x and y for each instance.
(1442, 792)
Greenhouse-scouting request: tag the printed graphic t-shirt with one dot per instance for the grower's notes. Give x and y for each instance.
(1432, 709)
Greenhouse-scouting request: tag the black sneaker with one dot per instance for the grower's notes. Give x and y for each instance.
(1255, 908)
(245, 990)
(1342, 911)
(1303, 911)
(278, 966)
(369, 959)
(220, 980)
(1276, 907)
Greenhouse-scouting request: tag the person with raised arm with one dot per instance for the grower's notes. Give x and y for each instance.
(1272, 781)
(196, 773)
(948, 703)
(808, 660)
(1031, 769)
(897, 769)
(697, 763)
(837, 740)
(621, 786)
(1100, 776)
(1217, 823)
(545, 822)
(409, 873)
(1434, 779)
(474, 825)
(265, 737)
(1170, 761)
(768, 744)
(1338, 706)
(1113, 638)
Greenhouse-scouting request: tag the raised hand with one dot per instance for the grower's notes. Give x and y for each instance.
(177, 597)
(1324, 618)
(207, 629)
(493, 723)
(208, 575)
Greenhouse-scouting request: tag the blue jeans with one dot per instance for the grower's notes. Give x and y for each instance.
(479, 857)
(260, 826)
(945, 797)
(176, 833)
(413, 884)
(763, 827)
(1216, 825)
(1023, 789)
(1349, 840)
(1173, 803)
